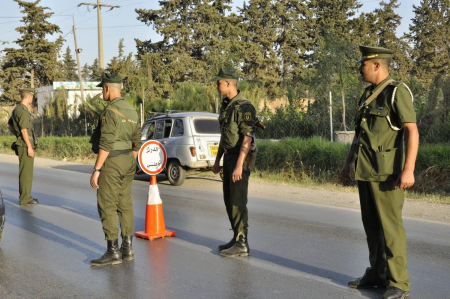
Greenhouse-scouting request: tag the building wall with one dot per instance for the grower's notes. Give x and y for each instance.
(73, 94)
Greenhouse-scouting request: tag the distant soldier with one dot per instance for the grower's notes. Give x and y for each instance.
(117, 141)
(385, 120)
(20, 124)
(238, 123)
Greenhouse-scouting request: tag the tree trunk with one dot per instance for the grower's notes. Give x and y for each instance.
(343, 107)
(32, 79)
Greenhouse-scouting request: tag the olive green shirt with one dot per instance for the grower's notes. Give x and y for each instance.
(237, 119)
(380, 148)
(21, 119)
(116, 132)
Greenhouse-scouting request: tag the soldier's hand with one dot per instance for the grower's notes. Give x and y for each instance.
(216, 167)
(30, 152)
(237, 174)
(94, 179)
(345, 177)
(405, 180)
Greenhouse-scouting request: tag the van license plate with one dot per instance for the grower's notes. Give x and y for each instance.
(214, 150)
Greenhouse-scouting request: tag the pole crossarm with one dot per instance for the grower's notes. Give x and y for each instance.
(95, 5)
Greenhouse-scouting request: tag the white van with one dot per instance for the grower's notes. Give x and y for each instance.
(191, 140)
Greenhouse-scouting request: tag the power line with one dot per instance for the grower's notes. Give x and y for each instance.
(112, 26)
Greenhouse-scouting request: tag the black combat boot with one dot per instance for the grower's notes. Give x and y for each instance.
(240, 248)
(112, 255)
(364, 283)
(395, 293)
(126, 250)
(228, 245)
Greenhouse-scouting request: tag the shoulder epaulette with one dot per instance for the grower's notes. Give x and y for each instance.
(243, 101)
(396, 83)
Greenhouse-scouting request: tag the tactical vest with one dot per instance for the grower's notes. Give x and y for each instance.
(381, 139)
(230, 139)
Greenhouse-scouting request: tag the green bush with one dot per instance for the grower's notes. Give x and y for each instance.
(73, 148)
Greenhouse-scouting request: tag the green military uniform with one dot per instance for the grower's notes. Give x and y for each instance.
(21, 119)
(237, 119)
(380, 160)
(119, 136)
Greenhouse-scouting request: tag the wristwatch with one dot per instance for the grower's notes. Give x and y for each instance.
(95, 169)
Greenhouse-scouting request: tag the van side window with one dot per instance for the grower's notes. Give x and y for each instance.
(151, 131)
(167, 128)
(159, 129)
(178, 129)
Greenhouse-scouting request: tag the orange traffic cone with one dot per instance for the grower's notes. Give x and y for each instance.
(154, 218)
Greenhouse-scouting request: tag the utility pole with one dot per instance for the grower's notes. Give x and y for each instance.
(100, 30)
(77, 51)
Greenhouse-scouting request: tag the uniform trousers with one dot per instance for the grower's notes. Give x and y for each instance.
(26, 167)
(235, 195)
(381, 211)
(114, 200)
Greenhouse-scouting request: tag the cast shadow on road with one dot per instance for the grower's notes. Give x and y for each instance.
(142, 177)
(338, 278)
(74, 206)
(21, 217)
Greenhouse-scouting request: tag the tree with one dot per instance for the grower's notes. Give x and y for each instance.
(69, 67)
(386, 24)
(33, 63)
(85, 72)
(193, 46)
(294, 25)
(94, 71)
(429, 34)
(261, 63)
(335, 68)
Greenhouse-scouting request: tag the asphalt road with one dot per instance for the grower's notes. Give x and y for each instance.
(297, 250)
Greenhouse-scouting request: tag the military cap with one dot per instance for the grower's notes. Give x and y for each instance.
(374, 53)
(27, 90)
(226, 73)
(110, 78)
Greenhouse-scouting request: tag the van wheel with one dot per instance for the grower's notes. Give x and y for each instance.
(176, 173)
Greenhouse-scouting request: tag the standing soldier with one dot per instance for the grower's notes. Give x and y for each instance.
(117, 142)
(238, 122)
(385, 120)
(20, 124)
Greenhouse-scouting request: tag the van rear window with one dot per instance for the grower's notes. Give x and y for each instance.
(207, 126)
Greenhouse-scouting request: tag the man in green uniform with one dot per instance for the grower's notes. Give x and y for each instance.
(114, 170)
(20, 124)
(238, 122)
(385, 120)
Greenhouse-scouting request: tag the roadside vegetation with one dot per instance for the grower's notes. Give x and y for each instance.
(313, 163)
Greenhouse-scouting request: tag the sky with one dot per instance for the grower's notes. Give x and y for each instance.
(121, 23)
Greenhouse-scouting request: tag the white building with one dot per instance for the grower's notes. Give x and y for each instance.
(73, 94)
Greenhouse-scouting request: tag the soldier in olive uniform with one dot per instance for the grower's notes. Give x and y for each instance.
(384, 168)
(238, 122)
(20, 124)
(118, 143)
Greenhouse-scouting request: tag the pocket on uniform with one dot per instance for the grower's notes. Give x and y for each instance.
(230, 135)
(377, 121)
(385, 163)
